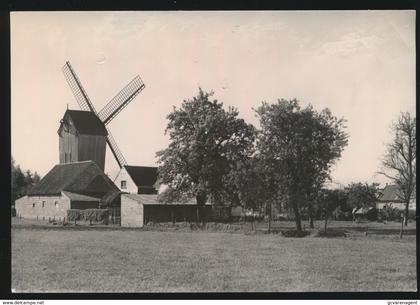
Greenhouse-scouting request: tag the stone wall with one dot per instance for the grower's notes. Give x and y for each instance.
(131, 212)
(42, 207)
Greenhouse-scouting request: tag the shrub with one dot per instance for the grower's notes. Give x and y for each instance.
(412, 214)
(221, 213)
(389, 213)
(93, 215)
(339, 214)
(331, 233)
(295, 233)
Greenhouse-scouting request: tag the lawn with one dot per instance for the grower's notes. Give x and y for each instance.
(146, 261)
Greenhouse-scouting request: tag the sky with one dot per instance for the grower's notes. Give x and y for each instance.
(359, 64)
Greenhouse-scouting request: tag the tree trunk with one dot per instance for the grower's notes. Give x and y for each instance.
(402, 226)
(406, 213)
(325, 223)
(198, 213)
(269, 219)
(201, 199)
(311, 215)
(297, 215)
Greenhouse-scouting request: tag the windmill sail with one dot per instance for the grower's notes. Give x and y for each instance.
(77, 88)
(115, 150)
(122, 99)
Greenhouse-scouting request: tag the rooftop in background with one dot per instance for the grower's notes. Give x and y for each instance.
(153, 199)
(390, 193)
(142, 175)
(86, 122)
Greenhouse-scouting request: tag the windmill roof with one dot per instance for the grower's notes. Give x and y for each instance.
(144, 176)
(86, 122)
(79, 177)
(390, 193)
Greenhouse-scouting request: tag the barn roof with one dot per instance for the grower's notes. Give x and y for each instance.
(80, 197)
(390, 193)
(111, 197)
(144, 176)
(79, 177)
(86, 122)
(153, 200)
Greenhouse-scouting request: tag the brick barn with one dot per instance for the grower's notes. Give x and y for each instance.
(138, 209)
(78, 185)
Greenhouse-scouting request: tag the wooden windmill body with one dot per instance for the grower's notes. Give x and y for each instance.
(84, 134)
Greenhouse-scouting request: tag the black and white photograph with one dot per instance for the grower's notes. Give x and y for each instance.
(213, 151)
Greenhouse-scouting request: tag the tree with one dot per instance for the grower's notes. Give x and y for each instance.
(21, 182)
(362, 195)
(328, 200)
(36, 178)
(206, 143)
(399, 162)
(298, 146)
(170, 196)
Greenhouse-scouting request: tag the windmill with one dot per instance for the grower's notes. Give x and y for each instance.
(110, 111)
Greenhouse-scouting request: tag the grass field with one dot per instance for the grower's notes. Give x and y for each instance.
(145, 261)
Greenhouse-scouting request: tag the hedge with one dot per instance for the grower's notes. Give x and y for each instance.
(390, 213)
(93, 215)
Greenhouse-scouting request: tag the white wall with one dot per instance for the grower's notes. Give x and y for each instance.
(131, 212)
(397, 205)
(124, 176)
(25, 209)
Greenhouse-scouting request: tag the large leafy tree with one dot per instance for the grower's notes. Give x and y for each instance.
(207, 143)
(399, 163)
(299, 146)
(21, 181)
(362, 195)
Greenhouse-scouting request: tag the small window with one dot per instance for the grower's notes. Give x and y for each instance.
(123, 184)
(56, 204)
(33, 204)
(43, 204)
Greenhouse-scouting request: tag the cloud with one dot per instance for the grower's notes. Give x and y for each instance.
(350, 44)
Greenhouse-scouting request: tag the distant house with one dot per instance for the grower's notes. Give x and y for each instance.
(390, 197)
(78, 185)
(137, 180)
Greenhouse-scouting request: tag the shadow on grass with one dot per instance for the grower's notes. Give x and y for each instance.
(295, 233)
(378, 231)
(332, 233)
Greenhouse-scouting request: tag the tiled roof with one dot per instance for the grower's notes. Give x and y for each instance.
(80, 197)
(79, 177)
(390, 193)
(144, 176)
(152, 199)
